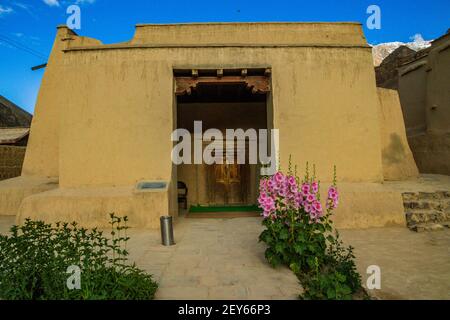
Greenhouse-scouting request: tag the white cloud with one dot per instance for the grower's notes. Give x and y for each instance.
(52, 3)
(81, 2)
(27, 8)
(5, 10)
(21, 5)
(58, 3)
(417, 38)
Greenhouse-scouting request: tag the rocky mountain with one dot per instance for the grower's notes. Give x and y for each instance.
(382, 50)
(13, 116)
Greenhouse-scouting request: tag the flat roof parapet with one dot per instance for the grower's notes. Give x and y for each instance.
(253, 33)
(238, 34)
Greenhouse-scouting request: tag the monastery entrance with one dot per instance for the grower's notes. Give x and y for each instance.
(222, 99)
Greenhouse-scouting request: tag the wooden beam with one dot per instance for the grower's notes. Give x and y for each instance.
(258, 84)
(39, 66)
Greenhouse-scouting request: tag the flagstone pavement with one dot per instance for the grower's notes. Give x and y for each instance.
(222, 259)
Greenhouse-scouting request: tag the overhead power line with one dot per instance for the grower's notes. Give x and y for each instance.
(21, 46)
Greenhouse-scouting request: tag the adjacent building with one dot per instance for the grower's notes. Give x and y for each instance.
(424, 90)
(14, 131)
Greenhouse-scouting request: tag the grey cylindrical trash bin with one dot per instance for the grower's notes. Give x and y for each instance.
(166, 231)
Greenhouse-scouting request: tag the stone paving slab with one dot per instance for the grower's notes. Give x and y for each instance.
(213, 259)
(413, 265)
(222, 259)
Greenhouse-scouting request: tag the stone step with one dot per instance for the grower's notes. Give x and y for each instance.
(421, 227)
(427, 216)
(436, 195)
(410, 196)
(423, 204)
(427, 211)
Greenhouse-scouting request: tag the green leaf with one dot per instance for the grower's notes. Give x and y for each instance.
(294, 267)
(298, 248)
(284, 234)
(279, 247)
(331, 293)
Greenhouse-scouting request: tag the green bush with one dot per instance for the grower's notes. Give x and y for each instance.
(35, 257)
(336, 277)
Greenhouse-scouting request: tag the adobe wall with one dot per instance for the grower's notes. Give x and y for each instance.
(398, 161)
(105, 112)
(324, 101)
(438, 89)
(412, 92)
(42, 156)
(425, 99)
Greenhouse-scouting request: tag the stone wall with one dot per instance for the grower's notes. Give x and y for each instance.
(11, 160)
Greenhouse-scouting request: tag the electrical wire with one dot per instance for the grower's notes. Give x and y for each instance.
(22, 47)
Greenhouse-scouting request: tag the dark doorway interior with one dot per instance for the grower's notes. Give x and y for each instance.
(221, 106)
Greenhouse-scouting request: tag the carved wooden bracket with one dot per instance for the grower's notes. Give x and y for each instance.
(258, 84)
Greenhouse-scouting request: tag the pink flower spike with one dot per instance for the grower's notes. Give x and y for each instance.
(306, 188)
(308, 208)
(291, 181)
(279, 177)
(317, 206)
(310, 198)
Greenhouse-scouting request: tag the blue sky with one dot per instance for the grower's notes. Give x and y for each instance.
(33, 23)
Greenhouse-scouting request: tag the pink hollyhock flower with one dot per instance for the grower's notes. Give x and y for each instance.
(315, 187)
(291, 181)
(317, 206)
(315, 216)
(310, 198)
(333, 193)
(306, 188)
(271, 183)
(283, 192)
(279, 177)
(269, 201)
(263, 185)
(330, 205)
(308, 208)
(335, 204)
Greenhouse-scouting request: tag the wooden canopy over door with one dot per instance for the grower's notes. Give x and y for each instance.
(256, 80)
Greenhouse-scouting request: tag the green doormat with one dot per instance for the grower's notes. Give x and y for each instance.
(230, 208)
